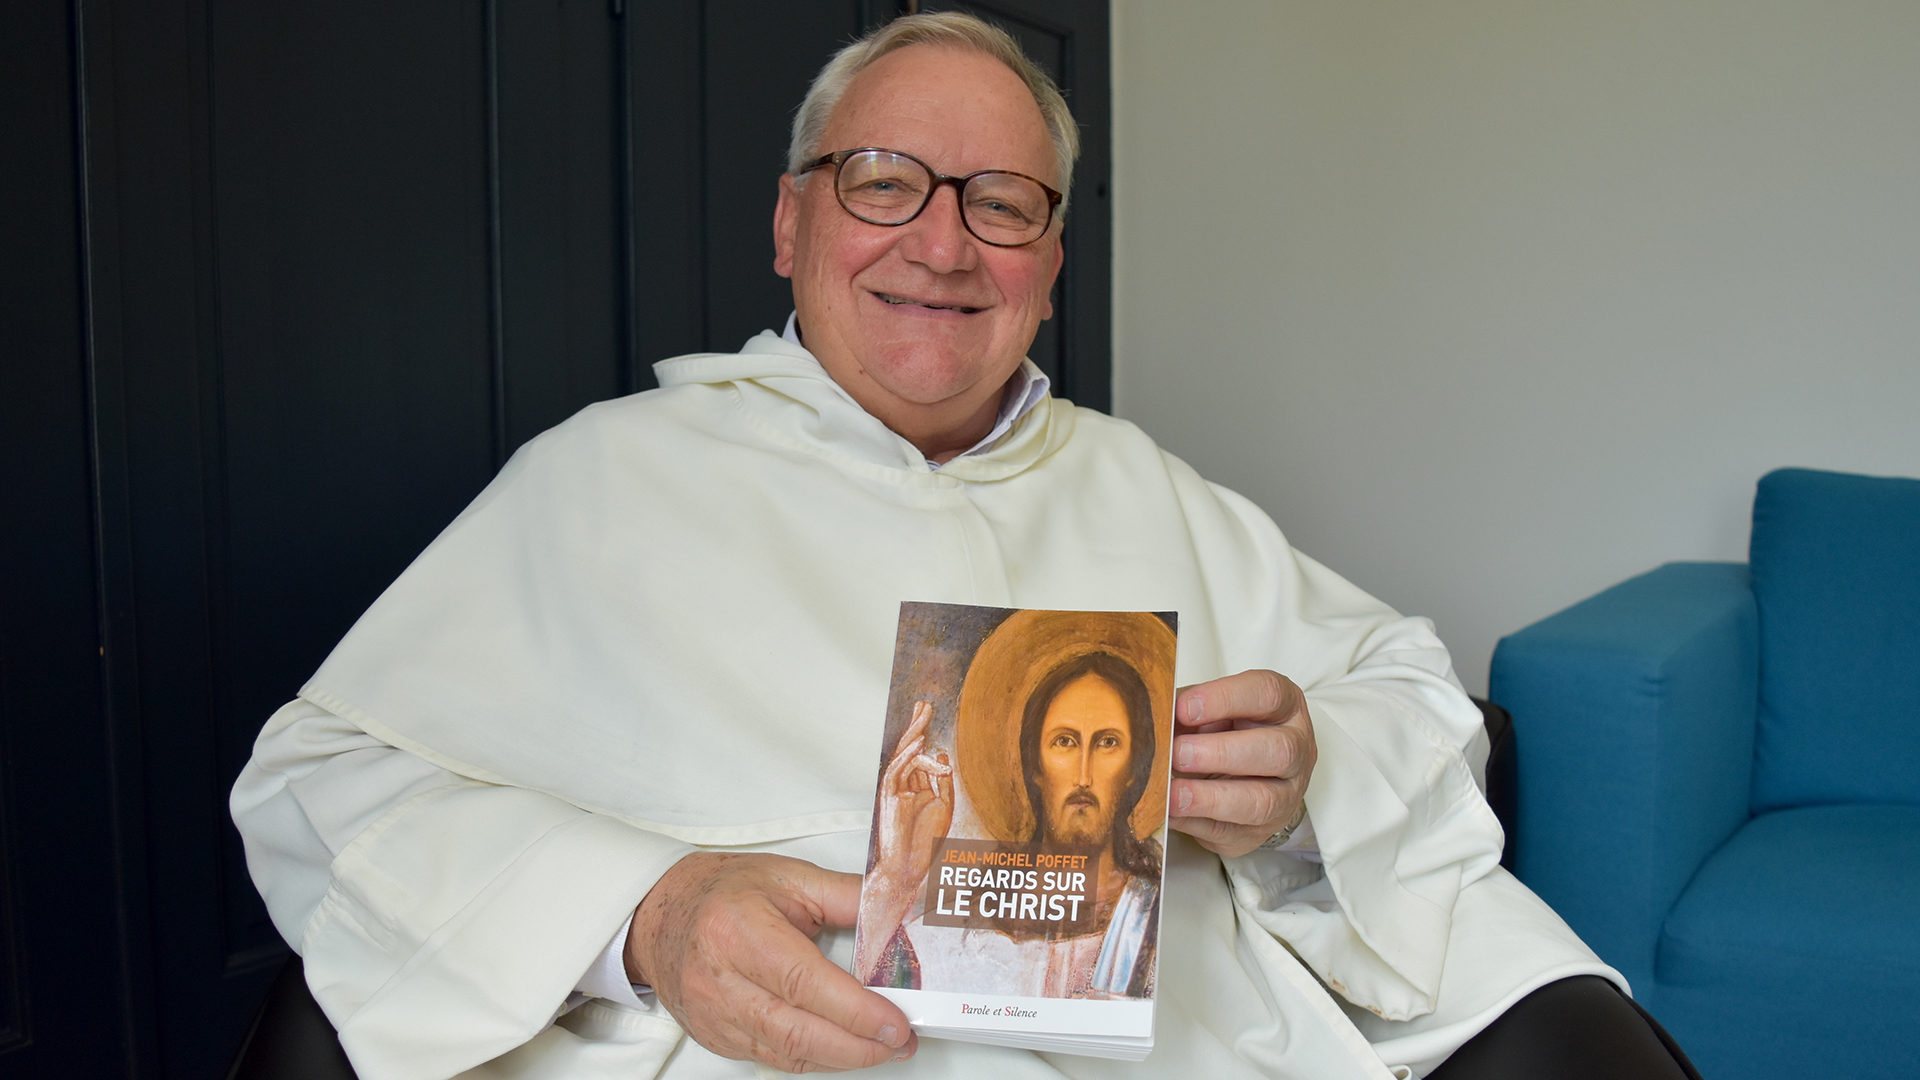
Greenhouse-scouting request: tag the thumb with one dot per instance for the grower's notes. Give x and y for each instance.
(839, 898)
(812, 896)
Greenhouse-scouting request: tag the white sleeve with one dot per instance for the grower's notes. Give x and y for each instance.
(1399, 822)
(314, 783)
(443, 921)
(1400, 825)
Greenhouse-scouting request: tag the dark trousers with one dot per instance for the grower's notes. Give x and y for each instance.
(1582, 1028)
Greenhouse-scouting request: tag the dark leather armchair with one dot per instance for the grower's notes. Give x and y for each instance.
(291, 1038)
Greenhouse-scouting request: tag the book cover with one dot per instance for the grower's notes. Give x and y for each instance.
(1013, 883)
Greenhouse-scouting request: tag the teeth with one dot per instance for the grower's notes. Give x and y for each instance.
(896, 300)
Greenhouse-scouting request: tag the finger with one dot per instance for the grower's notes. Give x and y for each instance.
(808, 896)
(1189, 711)
(917, 723)
(793, 1039)
(903, 754)
(1218, 836)
(923, 781)
(806, 980)
(817, 1046)
(1260, 803)
(912, 743)
(927, 766)
(834, 897)
(1249, 695)
(811, 1049)
(1270, 750)
(791, 967)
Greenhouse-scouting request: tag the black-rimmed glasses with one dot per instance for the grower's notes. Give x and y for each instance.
(887, 187)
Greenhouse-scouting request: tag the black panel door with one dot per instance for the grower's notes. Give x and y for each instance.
(60, 888)
(283, 286)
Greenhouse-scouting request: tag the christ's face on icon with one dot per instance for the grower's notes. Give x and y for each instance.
(1085, 754)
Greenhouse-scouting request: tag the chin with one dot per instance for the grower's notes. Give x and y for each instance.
(1081, 833)
(926, 374)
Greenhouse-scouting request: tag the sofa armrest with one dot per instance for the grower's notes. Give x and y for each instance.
(1634, 722)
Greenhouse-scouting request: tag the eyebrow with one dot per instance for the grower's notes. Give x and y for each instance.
(1051, 728)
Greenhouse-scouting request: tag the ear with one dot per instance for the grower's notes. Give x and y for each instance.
(786, 225)
(1059, 257)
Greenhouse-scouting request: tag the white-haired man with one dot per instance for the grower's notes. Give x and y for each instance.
(583, 793)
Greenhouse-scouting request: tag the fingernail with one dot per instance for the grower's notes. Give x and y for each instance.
(891, 1036)
(1182, 755)
(1184, 799)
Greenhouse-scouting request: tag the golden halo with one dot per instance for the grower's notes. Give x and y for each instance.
(1010, 664)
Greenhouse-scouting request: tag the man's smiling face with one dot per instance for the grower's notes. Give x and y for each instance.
(922, 323)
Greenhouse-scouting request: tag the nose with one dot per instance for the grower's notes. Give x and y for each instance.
(938, 238)
(1086, 766)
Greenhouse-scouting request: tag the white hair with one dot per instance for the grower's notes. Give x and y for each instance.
(949, 28)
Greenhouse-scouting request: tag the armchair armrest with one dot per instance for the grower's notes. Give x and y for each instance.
(1634, 724)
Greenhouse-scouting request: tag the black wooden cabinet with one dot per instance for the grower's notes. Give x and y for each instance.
(283, 286)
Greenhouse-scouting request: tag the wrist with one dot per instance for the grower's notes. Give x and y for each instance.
(635, 964)
(643, 929)
(1279, 839)
(884, 895)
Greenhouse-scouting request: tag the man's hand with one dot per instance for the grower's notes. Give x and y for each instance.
(1243, 751)
(725, 941)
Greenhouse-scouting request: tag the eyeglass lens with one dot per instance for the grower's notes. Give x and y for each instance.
(889, 189)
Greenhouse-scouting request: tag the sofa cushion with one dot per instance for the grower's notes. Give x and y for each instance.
(1802, 897)
(1836, 581)
(1795, 951)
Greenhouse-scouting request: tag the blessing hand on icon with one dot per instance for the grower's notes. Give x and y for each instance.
(916, 810)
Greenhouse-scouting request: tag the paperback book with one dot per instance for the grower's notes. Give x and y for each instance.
(1013, 885)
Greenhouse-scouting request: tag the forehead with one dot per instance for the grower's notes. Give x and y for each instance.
(957, 109)
(1087, 702)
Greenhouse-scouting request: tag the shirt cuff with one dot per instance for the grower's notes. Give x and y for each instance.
(607, 978)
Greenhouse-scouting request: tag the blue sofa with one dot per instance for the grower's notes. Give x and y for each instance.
(1718, 772)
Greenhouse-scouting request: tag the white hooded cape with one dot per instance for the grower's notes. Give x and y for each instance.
(669, 623)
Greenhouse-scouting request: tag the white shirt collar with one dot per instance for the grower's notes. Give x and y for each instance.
(1023, 391)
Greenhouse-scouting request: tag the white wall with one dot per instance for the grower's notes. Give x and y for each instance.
(1493, 304)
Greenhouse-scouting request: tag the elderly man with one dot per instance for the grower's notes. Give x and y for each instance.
(580, 795)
